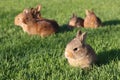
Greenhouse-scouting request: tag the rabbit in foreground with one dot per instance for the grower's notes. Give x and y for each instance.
(91, 20)
(75, 22)
(29, 25)
(78, 53)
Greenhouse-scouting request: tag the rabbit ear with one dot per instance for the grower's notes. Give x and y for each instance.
(38, 8)
(32, 10)
(87, 12)
(83, 37)
(26, 11)
(79, 33)
(74, 15)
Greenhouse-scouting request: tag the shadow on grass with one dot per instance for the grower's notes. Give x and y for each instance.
(111, 22)
(64, 28)
(106, 57)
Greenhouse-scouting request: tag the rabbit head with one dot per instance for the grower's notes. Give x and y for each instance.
(75, 48)
(36, 12)
(23, 17)
(88, 12)
(73, 20)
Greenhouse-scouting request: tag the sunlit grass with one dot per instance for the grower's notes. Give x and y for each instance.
(24, 57)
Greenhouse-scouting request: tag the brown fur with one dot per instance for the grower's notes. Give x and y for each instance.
(29, 24)
(36, 12)
(78, 53)
(91, 20)
(37, 16)
(75, 22)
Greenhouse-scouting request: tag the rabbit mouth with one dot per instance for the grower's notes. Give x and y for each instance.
(69, 55)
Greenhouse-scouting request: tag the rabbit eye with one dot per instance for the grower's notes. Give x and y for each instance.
(75, 49)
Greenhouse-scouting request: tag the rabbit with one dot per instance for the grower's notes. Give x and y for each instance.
(29, 25)
(78, 53)
(91, 20)
(35, 12)
(75, 22)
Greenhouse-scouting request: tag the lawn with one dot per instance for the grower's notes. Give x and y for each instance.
(25, 57)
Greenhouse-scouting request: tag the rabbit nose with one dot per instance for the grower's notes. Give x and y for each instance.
(68, 55)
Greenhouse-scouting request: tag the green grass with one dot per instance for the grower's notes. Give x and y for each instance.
(24, 57)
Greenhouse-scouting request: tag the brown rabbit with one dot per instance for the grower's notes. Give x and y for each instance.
(75, 22)
(37, 16)
(29, 25)
(91, 20)
(78, 53)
